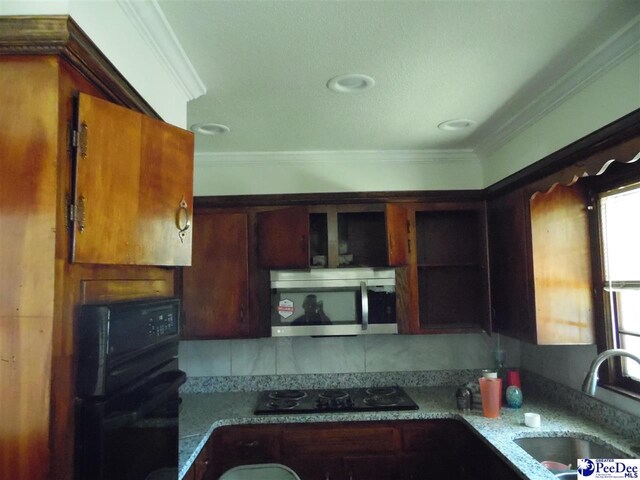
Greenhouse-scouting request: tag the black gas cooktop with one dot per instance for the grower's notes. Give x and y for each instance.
(334, 400)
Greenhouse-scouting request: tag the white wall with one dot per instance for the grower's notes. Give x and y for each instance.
(309, 172)
(569, 365)
(111, 29)
(607, 98)
(367, 353)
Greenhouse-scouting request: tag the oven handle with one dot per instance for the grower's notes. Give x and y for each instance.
(122, 419)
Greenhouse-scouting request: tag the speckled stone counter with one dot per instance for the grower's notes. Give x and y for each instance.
(203, 413)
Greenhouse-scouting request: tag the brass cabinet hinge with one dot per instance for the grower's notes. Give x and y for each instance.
(76, 214)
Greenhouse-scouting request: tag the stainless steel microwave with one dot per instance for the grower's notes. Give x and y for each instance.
(333, 301)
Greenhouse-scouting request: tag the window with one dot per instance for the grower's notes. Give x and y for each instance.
(620, 246)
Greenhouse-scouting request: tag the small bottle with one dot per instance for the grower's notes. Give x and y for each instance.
(463, 399)
(500, 358)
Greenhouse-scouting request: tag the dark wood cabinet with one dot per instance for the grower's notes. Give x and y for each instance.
(216, 288)
(541, 273)
(232, 446)
(373, 235)
(394, 450)
(283, 237)
(448, 278)
(202, 468)
(133, 190)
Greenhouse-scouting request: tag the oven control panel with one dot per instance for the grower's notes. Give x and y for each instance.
(162, 324)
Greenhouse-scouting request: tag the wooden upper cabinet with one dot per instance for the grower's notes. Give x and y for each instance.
(541, 270)
(397, 221)
(107, 182)
(373, 235)
(447, 284)
(166, 193)
(283, 238)
(215, 288)
(133, 188)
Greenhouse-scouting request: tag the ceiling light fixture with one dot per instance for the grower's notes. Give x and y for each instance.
(350, 83)
(457, 124)
(210, 128)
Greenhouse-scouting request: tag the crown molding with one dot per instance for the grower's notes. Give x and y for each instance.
(604, 58)
(152, 25)
(335, 156)
(60, 35)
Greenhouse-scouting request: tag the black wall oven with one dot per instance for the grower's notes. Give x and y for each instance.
(127, 397)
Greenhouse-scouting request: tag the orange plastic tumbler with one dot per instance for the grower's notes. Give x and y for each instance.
(491, 392)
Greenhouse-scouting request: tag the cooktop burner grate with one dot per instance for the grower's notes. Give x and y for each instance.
(338, 400)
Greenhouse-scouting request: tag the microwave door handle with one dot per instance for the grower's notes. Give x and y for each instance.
(365, 305)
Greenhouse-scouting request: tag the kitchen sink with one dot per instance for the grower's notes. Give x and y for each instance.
(566, 449)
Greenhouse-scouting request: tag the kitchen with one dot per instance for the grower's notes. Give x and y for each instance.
(609, 95)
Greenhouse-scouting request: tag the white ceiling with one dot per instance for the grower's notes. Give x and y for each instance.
(265, 64)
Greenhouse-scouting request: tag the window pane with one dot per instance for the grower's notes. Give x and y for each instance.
(621, 235)
(629, 367)
(629, 311)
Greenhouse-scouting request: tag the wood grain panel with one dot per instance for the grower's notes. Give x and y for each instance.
(28, 146)
(397, 235)
(166, 175)
(562, 266)
(25, 368)
(107, 182)
(215, 288)
(283, 237)
(114, 290)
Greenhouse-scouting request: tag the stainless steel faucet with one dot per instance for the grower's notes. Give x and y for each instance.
(591, 380)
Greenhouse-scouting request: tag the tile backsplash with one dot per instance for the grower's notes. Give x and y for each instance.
(360, 354)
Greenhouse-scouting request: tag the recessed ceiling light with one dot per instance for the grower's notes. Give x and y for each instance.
(350, 83)
(457, 124)
(210, 128)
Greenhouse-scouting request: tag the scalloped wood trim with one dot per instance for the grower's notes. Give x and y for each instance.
(60, 35)
(596, 164)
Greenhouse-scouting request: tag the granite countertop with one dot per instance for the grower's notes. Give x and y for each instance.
(203, 413)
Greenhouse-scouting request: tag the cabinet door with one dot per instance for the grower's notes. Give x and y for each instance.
(107, 182)
(397, 235)
(510, 252)
(562, 266)
(243, 445)
(215, 288)
(283, 238)
(166, 195)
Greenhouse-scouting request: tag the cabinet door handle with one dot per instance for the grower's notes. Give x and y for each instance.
(250, 444)
(182, 216)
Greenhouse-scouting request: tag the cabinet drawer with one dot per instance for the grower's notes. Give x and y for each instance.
(342, 439)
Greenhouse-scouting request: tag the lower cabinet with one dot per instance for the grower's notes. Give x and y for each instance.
(201, 468)
(396, 450)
